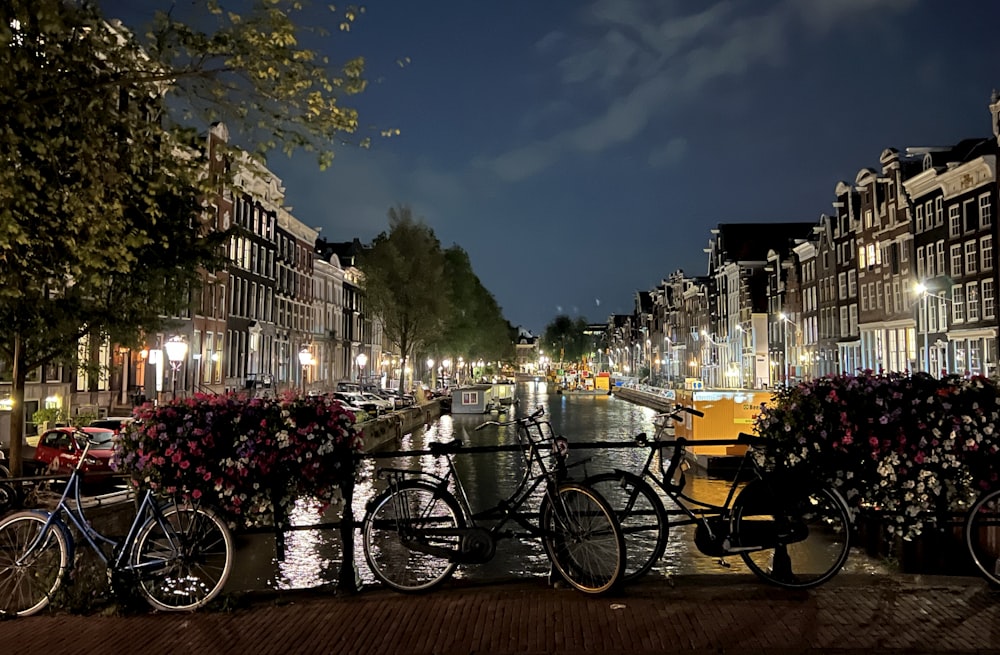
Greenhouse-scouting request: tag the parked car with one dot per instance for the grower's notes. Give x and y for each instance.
(59, 450)
(355, 400)
(114, 423)
(401, 399)
(385, 405)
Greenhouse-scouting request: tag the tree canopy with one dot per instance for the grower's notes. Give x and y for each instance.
(566, 339)
(405, 281)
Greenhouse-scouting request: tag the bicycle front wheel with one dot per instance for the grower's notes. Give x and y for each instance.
(642, 516)
(183, 559)
(583, 538)
(409, 533)
(799, 536)
(29, 577)
(982, 535)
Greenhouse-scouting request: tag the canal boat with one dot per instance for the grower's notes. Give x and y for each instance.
(473, 399)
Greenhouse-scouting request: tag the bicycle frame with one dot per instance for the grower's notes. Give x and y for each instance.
(698, 512)
(505, 510)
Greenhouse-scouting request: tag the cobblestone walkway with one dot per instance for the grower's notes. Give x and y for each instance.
(695, 614)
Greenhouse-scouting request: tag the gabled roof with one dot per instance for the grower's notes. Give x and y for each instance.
(750, 242)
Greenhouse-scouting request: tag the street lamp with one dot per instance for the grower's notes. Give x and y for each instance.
(430, 371)
(176, 351)
(305, 358)
(921, 289)
(788, 367)
(361, 359)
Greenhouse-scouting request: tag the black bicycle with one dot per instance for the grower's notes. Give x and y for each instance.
(790, 531)
(418, 531)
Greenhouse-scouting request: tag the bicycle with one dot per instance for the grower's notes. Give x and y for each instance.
(790, 532)
(418, 531)
(981, 532)
(178, 554)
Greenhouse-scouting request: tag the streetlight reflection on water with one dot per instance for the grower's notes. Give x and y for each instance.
(312, 557)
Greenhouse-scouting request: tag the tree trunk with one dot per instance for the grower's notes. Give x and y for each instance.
(18, 379)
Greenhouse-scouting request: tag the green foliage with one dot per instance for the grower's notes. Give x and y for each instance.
(475, 327)
(912, 448)
(404, 281)
(565, 339)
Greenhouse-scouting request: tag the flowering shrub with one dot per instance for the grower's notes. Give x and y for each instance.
(912, 447)
(243, 455)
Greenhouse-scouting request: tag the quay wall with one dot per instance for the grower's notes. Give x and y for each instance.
(388, 430)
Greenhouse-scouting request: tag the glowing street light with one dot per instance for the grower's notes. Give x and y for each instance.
(305, 359)
(176, 348)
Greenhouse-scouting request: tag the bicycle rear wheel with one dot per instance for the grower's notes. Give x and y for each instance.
(583, 538)
(27, 587)
(643, 518)
(982, 535)
(408, 532)
(183, 560)
(801, 535)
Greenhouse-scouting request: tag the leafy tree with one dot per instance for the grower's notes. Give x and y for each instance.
(566, 339)
(404, 281)
(475, 327)
(103, 185)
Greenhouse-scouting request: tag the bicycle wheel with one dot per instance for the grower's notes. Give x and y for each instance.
(27, 587)
(982, 535)
(183, 560)
(408, 533)
(583, 538)
(800, 536)
(642, 517)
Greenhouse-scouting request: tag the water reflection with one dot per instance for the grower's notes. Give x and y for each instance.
(312, 556)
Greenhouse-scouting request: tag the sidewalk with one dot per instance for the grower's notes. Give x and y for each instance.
(697, 614)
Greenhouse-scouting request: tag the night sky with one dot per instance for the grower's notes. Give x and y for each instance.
(581, 151)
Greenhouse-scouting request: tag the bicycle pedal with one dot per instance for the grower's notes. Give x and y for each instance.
(723, 563)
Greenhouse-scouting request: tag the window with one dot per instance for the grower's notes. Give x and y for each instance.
(920, 263)
(970, 257)
(971, 219)
(942, 314)
(985, 211)
(930, 261)
(842, 283)
(956, 260)
(989, 303)
(864, 297)
(878, 295)
(938, 212)
(954, 221)
(986, 252)
(940, 257)
(920, 219)
(868, 219)
(972, 300)
(958, 303)
(897, 297)
(861, 257)
(852, 284)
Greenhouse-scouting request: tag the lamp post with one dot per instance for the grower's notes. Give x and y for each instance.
(788, 367)
(361, 359)
(305, 358)
(176, 351)
(921, 289)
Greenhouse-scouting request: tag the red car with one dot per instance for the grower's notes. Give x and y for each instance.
(59, 451)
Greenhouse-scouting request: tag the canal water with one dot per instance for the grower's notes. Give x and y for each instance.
(313, 556)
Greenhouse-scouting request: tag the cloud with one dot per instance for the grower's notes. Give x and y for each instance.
(669, 154)
(626, 64)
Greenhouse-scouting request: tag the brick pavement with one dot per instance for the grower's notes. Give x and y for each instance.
(694, 614)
